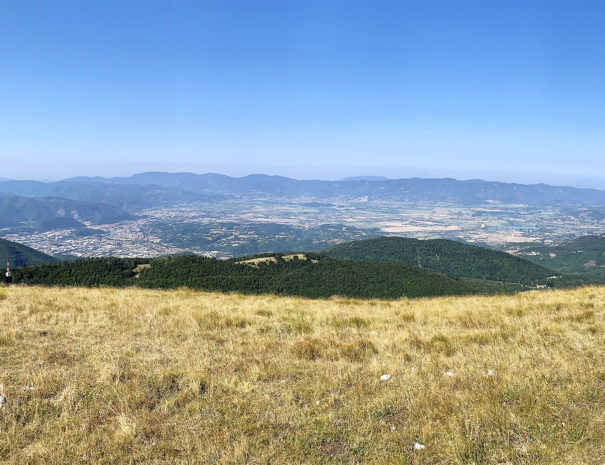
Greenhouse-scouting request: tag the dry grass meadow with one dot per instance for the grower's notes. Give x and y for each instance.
(134, 376)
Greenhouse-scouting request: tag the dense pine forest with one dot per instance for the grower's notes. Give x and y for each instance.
(116, 272)
(307, 275)
(444, 256)
(313, 277)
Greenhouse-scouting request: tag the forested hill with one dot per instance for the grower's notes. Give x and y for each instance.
(307, 275)
(448, 257)
(584, 257)
(21, 255)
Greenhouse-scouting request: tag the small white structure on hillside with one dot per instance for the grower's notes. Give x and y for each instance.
(8, 276)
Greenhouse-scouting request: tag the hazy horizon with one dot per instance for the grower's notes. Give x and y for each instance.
(503, 91)
(502, 177)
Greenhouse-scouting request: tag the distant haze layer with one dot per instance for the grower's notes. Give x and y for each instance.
(510, 91)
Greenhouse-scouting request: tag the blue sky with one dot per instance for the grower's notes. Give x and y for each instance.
(497, 90)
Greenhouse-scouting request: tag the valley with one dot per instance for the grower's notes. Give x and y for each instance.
(239, 227)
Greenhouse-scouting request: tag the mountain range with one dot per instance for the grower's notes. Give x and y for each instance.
(130, 197)
(154, 188)
(226, 216)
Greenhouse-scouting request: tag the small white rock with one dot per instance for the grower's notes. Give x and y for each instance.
(316, 402)
(418, 446)
(490, 372)
(2, 401)
(414, 369)
(282, 381)
(451, 374)
(392, 428)
(385, 377)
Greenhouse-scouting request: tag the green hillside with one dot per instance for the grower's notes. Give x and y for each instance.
(42, 214)
(448, 257)
(21, 255)
(584, 257)
(307, 275)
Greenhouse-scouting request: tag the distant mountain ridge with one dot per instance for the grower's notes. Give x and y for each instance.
(412, 189)
(126, 196)
(366, 178)
(150, 189)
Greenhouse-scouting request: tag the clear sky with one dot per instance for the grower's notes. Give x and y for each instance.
(499, 90)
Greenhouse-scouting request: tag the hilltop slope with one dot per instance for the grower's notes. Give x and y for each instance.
(21, 255)
(120, 196)
(445, 256)
(52, 212)
(139, 376)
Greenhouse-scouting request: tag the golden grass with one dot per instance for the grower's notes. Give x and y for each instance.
(137, 269)
(258, 260)
(136, 376)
